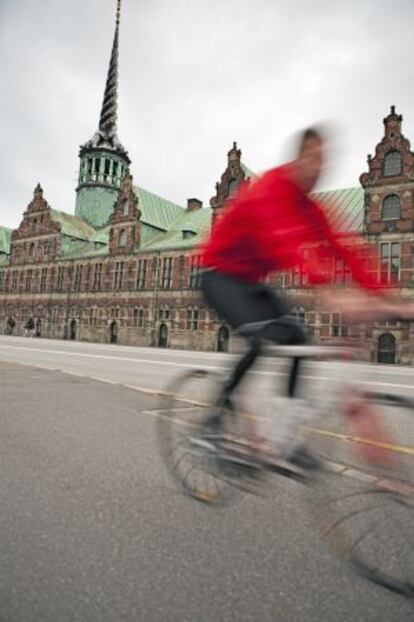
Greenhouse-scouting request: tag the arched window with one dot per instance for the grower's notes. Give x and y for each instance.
(392, 164)
(31, 250)
(107, 169)
(125, 207)
(391, 207)
(122, 240)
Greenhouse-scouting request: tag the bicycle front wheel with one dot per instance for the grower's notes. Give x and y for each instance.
(190, 445)
(364, 492)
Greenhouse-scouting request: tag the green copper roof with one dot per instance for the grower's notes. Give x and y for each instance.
(156, 211)
(102, 235)
(77, 249)
(345, 208)
(73, 226)
(196, 222)
(5, 237)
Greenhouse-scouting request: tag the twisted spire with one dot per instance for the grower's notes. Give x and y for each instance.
(107, 121)
(106, 136)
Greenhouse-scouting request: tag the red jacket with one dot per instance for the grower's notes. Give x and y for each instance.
(265, 228)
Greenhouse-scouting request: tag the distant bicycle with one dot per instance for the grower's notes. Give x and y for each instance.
(357, 462)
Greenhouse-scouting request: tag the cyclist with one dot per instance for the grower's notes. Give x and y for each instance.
(265, 228)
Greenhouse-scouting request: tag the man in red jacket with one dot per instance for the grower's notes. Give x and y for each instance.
(265, 228)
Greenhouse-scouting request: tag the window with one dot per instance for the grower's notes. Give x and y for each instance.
(391, 207)
(392, 164)
(97, 276)
(107, 169)
(116, 312)
(43, 277)
(29, 277)
(390, 262)
(181, 264)
(125, 207)
(195, 272)
(139, 317)
(338, 329)
(164, 313)
(46, 248)
(87, 277)
(89, 167)
(31, 250)
(122, 240)
(119, 275)
(192, 318)
(1, 281)
(167, 272)
(78, 278)
(141, 273)
(154, 272)
(14, 280)
(95, 168)
(60, 278)
(342, 272)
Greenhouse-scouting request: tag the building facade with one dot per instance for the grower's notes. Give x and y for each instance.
(124, 268)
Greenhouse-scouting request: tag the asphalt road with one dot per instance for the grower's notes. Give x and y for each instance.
(92, 528)
(154, 368)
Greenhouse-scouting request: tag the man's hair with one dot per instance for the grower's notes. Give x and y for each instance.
(309, 134)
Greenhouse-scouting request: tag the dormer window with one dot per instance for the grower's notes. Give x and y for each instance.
(122, 240)
(125, 207)
(188, 234)
(391, 207)
(392, 164)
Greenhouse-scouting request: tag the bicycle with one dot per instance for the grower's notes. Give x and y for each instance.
(357, 470)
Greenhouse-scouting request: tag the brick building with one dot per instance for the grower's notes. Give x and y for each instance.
(124, 267)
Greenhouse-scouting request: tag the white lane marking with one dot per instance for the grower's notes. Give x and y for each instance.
(369, 367)
(187, 366)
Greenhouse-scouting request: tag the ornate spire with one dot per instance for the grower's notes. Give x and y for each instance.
(107, 122)
(106, 135)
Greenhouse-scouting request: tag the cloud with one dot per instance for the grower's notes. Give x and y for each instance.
(194, 76)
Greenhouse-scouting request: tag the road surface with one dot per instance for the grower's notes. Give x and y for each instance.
(94, 530)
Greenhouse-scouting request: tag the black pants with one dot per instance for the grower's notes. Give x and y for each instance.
(238, 302)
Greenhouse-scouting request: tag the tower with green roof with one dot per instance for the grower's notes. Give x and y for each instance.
(103, 159)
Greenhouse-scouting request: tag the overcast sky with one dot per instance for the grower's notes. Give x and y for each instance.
(194, 76)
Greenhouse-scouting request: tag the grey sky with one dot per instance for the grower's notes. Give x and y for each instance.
(194, 76)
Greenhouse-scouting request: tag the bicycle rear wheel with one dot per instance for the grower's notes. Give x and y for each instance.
(364, 493)
(192, 448)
